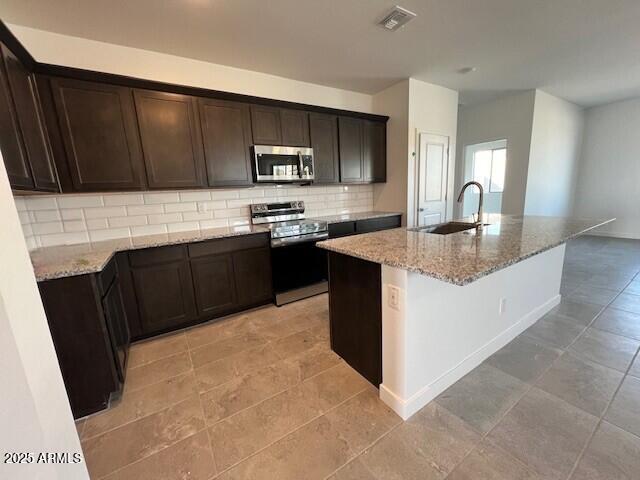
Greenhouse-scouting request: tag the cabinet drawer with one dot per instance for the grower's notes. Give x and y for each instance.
(375, 224)
(157, 255)
(107, 275)
(224, 245)
(342, 229)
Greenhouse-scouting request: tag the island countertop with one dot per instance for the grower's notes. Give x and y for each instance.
(463, 257)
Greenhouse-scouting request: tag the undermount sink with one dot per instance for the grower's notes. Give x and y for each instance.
(446, 228)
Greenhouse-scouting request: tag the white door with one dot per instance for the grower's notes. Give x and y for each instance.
(433, 166)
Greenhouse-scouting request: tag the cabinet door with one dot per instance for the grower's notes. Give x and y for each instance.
(13, 151)
(374, 151)
(117, 326)
(226, 129)
(98, 126)
(324, 141)
(295, 128)
(214, 284)
(266, 126)
(165, 295)
(171, 139)
(30, 119)
(350, 135)
(253, 275)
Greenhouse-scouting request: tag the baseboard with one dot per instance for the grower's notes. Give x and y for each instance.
(407, 407)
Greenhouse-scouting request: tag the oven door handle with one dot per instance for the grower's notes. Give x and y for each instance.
(300, 164)
(308, 237)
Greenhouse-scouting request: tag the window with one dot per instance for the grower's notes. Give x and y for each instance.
(488, 168)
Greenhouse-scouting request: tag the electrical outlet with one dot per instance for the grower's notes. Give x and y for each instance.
(394, 297)
(502, 305)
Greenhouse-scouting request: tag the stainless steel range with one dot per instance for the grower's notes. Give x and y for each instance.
(299, 268)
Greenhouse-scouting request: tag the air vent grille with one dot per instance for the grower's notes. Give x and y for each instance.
(397, 18)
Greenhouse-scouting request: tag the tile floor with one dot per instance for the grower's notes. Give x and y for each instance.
(261, 396)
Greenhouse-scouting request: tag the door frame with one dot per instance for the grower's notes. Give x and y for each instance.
(416, 175)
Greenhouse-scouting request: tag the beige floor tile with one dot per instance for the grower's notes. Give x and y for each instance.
(608, 349)
(334, 386)
(627, 302)
(625, 408)
(301, 341)
(312, 452)
(613, 454)
(619, 322)
(354, 470)
(80, 426)
(291, 324)
(151, 350)
(224, 348)
(482, 397)
(190, 459)
(581, 311)
(313, 361)
(241, 435)
(141, 402)
(117, 448)
(363, 419)
(635, 368)
(524, 358)
(247, 390)
(157, 371)
(218, 330)
(555, 330)
(488, 462)
(545, 433)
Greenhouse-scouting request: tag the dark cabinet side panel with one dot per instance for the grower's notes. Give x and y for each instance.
(351, 164)
(13, 151)
(355, 308)
(100, 134)
(30, 119)
(171, 139)
(324, 141)
(214, 286)
(374, 151)
(253, 276)
(376, 224)
(295, 128)
(265, 125)
(226, 129)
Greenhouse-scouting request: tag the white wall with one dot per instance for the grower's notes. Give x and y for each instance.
(608, 179)
(34, 410)
(509, 118)
(413, 106)
(77, 52)
(556, 141)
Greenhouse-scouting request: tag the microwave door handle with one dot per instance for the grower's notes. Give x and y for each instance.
(300, 164)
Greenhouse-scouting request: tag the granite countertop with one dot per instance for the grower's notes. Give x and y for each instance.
(350, 217)
(69, 260)
(463, 257)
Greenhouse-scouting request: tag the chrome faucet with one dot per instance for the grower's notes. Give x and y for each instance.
(460, 197)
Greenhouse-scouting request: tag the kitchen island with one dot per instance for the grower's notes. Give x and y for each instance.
(414, 312)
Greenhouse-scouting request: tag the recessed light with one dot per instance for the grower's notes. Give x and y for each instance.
(465, 70)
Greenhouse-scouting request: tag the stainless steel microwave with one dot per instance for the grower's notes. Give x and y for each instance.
(273, 164)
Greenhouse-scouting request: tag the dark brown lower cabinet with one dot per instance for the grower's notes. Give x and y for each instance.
(355, 309)
(213, 279)
(253, 276)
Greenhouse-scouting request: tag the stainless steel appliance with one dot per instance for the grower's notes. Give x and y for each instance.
(298, 267)
(273, 164)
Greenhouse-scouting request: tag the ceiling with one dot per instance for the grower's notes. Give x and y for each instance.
(586, 51)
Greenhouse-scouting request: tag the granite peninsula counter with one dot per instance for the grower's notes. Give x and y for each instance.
(414, 312)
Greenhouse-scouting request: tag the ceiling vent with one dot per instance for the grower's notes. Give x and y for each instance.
(396, 18)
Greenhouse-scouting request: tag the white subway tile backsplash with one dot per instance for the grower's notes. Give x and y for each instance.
(123, 199)
(165, 218)
(166, 197)
(148, 230)
(104, 212)
(65, 219)
(180, 207)
(194, 196)
(131, 221)
(79, 201)
(144, 209)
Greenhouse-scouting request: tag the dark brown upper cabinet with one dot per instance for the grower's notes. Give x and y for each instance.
(24, 137)
(351, 154)
(171, 139)
(374, 152)
(324, 141)
(295, 128)
(226, 131)
(100, 135)
(278, 126)
(363, 150)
